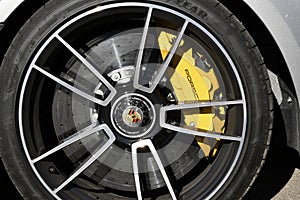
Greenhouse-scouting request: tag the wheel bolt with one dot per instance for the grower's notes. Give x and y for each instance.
(290, 100)
(192, 124)
(53, 170)
(170, 97)
(116, 77)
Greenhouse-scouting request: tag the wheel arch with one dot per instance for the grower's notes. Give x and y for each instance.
(286, 111)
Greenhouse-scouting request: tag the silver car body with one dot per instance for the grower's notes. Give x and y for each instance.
(282, 20)
(7, 7)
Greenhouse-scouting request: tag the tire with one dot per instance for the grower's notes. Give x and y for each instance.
(145, 100)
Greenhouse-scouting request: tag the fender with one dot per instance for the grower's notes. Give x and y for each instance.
(281, 19)
(7, 7)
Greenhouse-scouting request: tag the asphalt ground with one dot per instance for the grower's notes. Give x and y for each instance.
(292, 189)
(279, 178)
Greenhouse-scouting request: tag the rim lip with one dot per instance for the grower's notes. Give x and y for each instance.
(132, 4)
(113, 109)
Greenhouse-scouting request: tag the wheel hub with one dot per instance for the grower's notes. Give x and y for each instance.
(133, 115)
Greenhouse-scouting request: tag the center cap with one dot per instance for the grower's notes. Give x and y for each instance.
(133, 115)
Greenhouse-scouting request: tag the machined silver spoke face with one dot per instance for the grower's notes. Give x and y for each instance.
(70, 87)
(102, 80)
(94, 156)
(157, 76)
(132, 101)
(72, 139)
(142, 145)
(192, 110)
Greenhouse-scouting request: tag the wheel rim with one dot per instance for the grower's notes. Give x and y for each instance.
(101, 113)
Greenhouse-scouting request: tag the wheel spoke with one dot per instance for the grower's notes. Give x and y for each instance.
(200, 105)
(141, 51)
(134, 148)
(89, 161)
(68, 86)
(192, 131)
(163, 68)
(201, 134)
(92, 69)
(91, 129)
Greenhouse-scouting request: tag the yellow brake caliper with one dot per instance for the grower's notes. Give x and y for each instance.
(190, 84)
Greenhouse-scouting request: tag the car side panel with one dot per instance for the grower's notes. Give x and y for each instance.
(282, 20)
(7, 7)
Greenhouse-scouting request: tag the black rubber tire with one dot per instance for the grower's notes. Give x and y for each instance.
(220, 21)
